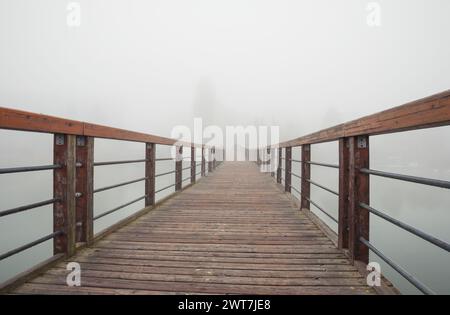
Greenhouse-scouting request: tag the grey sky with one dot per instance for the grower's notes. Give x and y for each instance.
(147, 65)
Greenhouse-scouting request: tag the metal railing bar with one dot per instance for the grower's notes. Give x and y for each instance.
(323, 164)
(397, 268)
(323, 187)
(185, 168)
(118, 208)
(408, 178)
(119, 185)
(321, 209)
(29, 169)
(29, 245)
(164, 188)
(298, 161)
(28, 207)
(413, 230)
(166, 173)
(119, 162)
(183, 180)
(295, 175)
(164, 159)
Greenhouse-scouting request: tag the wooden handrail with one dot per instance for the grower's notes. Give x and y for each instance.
(27, 121)
(432, 111)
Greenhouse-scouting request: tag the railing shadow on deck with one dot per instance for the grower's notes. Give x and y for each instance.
(354, 173)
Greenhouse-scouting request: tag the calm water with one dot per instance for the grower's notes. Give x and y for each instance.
(419, 153)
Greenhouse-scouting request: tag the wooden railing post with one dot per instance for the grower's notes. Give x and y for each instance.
(84, 189)
(210, 162)
(306, 176)
(214, 158)
(193, 164)
(178, 168)
(203, 161)
(280, 159)
(270, 161)
(258, 161)
(343, 227)
(358, 192)
(150, 156)
(287, 169)
(64, 189)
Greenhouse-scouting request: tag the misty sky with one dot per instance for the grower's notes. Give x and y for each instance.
(147, 65)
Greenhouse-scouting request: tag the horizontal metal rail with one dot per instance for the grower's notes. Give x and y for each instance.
(298, 161)
(322, 164)
(408, 178)
(118, 208)
(28, 169)
(198, 173)
(183, 180)
(323, 187)
(185, 168)
(420, 286)
(28, 207)
(29, 245)
(119, 185)
(413, 230)
(164, 188)
(321, 209)
(119, 162)
(164, 159)
(166, 173)
(295, 175)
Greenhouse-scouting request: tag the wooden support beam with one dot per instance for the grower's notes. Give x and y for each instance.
(150, 169)
(358, 192)
(178, 168)
(210, 161)
(203, 162)
(84, 189)
(287, 169)
(271, 154)
(214, 158)
(64, 189)
(280, 156)
(343, 228)
(306, 175)
(193, 164)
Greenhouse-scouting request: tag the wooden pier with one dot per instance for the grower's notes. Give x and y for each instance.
(228, 228)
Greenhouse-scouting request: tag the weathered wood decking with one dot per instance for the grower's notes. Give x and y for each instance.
(232, 233)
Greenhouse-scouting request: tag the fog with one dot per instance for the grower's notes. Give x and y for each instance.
(150, 65)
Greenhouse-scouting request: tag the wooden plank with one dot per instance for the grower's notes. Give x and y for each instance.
(432, 111)
(358, 217)
(343, 193)
(150, 169)
(306, 175)
(84, 187)
(287, 169)
(179, 168)
(203, 174)
(28, 121)
(64, 189)
(193, 165)
(280, 159)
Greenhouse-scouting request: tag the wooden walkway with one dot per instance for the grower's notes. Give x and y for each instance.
(234, 232)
